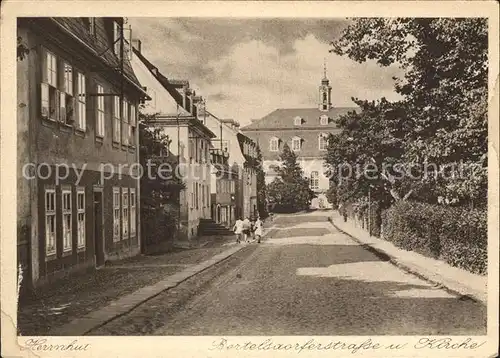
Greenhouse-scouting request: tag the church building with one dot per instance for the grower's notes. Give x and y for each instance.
(305, 130)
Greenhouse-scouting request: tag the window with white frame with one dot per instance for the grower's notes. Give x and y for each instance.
(80, 212)
(322, 141)
(49, 91)
(125, 213)
(314, 180)
(100, 131)
(81, 106)
(66, 220)
(297, 121)
(274, 144)
(133, 221)
(125, 121)
(323, 120)
(116, 120)
(116, 214)
(50, 222)
(296, 144)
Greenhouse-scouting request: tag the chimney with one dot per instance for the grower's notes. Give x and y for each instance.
(136, 43)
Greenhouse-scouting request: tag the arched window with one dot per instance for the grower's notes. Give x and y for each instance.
(297, 121)
(323, 120)
(274, 144)
(323, 141)
(296, 144)
(314, 180)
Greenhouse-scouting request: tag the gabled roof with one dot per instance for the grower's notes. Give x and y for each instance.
(283, 118)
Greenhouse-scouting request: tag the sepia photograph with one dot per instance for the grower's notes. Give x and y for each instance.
(265, 176)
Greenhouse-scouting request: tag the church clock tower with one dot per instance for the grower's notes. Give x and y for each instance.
(325, 93)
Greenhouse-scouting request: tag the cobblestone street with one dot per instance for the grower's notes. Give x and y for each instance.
(307, 278)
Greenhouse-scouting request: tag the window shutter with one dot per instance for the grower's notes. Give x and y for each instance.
(44, 100)
(57, 101)
(44, 66)
(62, 107)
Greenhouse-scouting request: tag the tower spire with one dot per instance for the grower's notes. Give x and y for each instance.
(324, 67)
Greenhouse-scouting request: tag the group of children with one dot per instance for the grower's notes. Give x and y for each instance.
(248, 229)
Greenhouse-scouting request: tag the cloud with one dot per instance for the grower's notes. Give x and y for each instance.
(247, 68)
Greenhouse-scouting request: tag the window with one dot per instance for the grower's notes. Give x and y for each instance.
(116, 214)
(66, 217)
(125, 213)
(50, 222)
(66, 99)
(132, 213)
(81, 101)
(116, 120)
(80, 212)
(323, 142)
(196, 186)
(296, 144)
(274, 144)
(126, 126)
(323, 120)
(133, 124)
(297, 121)
(100, 112)
(314, 180)
(49, 93)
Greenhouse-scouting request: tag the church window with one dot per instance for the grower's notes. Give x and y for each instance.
(296, 144)
(314, 180)
(324, 97)
(297, 121)
(274, 144)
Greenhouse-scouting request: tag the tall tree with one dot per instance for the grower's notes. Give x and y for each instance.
(444, 91)
(261, 186)
(290, 192)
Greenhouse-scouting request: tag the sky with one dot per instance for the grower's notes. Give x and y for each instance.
(246, 68)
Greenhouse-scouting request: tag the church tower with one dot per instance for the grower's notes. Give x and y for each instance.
(325, 93)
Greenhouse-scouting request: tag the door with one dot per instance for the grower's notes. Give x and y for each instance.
(98, 229)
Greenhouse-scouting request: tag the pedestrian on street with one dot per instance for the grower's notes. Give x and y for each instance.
(246, 229)
(258, 229)
(238, 230)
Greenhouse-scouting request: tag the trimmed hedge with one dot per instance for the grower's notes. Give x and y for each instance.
(456, 235)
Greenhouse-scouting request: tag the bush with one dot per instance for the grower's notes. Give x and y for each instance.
(456, 235)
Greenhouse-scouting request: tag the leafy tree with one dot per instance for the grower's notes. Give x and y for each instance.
(160, 187)
(261, 186)
(290, 192)
(444, 100)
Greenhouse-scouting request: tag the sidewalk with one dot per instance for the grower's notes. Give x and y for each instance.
(432, 270)
(77, 304)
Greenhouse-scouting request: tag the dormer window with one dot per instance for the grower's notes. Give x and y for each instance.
(297, 121)
(296, 144)
(323, 120)
(274, 144)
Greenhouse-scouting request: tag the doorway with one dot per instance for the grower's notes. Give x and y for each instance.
(98, 229)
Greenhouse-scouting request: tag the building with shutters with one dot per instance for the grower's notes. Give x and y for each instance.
(77, 145)
(305, 130)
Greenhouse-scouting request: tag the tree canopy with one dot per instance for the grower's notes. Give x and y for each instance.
(441, 120)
